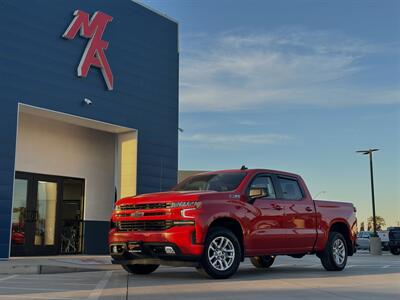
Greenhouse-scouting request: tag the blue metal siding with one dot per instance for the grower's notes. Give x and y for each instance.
(38, 67)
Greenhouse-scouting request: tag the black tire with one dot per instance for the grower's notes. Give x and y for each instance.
(140, 269)
(395, 251)
(328, 256)
(262, 262)
(209, 266)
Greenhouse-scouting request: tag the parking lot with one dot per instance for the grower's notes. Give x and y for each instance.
(366, 277)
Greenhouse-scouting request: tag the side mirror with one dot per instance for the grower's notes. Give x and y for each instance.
(256, 193)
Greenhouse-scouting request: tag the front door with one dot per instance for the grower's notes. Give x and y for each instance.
(268, 232)
(35, 224)
(47, 215)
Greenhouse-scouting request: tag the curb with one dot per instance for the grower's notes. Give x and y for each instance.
(43, 269)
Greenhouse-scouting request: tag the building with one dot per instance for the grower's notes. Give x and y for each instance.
(89, 114)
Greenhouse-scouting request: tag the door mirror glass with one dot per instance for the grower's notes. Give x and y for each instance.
(256, 193)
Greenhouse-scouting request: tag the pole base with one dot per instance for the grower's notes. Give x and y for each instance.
(375, 246)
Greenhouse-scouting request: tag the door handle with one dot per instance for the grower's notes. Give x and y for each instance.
(277, 207)
(309, 209)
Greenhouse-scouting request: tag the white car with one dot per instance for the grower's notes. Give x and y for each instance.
(363, 239)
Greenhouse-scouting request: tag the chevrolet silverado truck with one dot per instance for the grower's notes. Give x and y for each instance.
(213, 221)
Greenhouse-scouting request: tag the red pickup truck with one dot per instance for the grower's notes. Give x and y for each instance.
(213, 220)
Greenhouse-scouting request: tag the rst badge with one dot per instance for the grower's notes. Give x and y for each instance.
(93, 55)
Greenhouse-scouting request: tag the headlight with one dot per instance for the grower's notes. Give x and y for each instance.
(185, 204)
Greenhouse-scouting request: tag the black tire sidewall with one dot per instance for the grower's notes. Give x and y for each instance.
(395, 251)
(140, 269)
(206, 264)
(263, 262)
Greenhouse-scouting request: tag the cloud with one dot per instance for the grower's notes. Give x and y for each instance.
(236, 139)
(233, 71)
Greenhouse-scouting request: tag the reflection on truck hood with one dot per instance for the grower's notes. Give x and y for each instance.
(170, 196)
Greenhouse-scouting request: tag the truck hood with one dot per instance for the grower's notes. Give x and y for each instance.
(171, 196)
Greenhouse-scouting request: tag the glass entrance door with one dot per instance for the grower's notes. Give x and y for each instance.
(45, 205)
(35, 228)
(20, 215)
(47, 215)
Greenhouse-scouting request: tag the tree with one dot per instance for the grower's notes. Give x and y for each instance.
(362, 226)
(380, 223)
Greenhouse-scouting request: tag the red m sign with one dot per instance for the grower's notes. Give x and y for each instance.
(93, 55)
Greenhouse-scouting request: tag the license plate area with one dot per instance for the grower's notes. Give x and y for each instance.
(134, 247)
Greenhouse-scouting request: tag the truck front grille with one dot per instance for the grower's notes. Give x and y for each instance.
(157, 225)
(145, 206)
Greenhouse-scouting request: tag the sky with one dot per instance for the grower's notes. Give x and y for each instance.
(297, 86)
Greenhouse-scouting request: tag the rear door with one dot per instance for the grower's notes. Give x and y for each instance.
(300, 216)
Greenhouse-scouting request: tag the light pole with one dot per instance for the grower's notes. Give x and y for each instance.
(375, 243)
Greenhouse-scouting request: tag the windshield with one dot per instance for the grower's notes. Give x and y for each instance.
(222, 182)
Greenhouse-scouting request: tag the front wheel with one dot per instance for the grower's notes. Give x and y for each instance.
(140, 269)
(262, 262)
(334, 256)
(395, 251)
(222, 252)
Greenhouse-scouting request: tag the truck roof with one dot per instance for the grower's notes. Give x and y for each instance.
(252, 171)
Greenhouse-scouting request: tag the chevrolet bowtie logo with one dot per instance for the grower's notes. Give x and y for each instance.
(137, 214)
(93, 55)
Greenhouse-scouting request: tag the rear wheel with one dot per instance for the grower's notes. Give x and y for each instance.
(262, 262)
(140, 269)
(222, 252)
(334, 256)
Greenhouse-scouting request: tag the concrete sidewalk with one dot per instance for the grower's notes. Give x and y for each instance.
(56, 264)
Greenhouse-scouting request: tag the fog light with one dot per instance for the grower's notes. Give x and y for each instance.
(169, 250)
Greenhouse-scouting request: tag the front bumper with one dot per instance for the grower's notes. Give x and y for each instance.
(151, 244)
(150, 253)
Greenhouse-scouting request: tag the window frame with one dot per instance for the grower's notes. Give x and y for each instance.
(281, 195)
(271, 176)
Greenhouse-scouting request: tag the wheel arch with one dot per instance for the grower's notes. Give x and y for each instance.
(343, 228)
(233, 225)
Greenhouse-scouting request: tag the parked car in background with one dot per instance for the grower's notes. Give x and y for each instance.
(394, 240)
(363, 238)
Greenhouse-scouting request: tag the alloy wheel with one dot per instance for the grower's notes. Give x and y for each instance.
(339, 251)
(221, 253)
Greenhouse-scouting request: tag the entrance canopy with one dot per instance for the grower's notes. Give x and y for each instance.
(54, 148)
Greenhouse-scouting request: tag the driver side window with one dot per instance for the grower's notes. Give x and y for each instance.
(264, 182)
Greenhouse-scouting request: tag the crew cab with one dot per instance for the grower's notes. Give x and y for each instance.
(214, 220)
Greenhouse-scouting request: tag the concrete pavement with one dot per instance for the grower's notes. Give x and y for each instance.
(366, 277)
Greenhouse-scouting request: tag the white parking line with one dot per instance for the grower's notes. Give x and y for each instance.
(100, 286)
(8, 277)
(387, 266)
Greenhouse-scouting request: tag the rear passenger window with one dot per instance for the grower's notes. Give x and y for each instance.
(290, 189)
